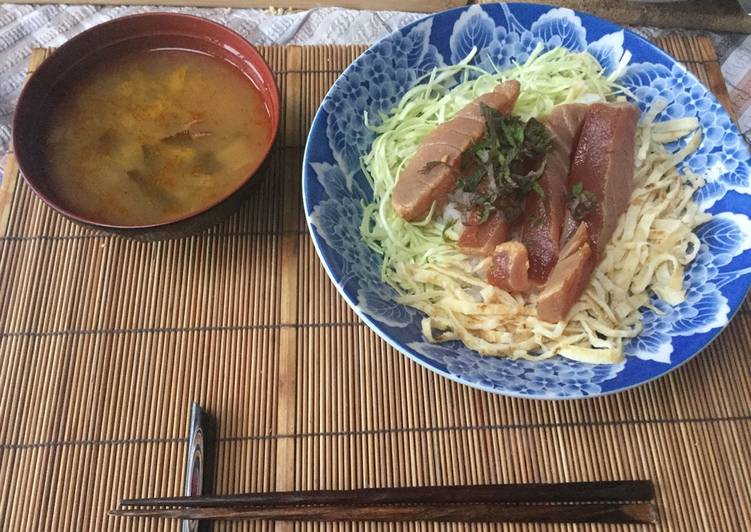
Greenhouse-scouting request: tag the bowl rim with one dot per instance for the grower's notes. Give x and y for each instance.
(250, 52)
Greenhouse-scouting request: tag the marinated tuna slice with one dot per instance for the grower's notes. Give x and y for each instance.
(509, 267)
(444, 134)
(569, 278)
(425, 158)
(432, 173)
(502, 98)
(544, 215)
(473, 128)
(602, 174)
(604, 165)
(483, 238)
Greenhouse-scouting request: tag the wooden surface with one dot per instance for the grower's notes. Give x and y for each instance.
(104, 343)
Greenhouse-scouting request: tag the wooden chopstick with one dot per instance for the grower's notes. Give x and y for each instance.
(608, 491)
(637, 512)
(616, 501)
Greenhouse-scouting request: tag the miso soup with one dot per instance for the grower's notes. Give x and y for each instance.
(155, 136)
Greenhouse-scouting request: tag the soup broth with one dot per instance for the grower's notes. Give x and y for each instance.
(155, 136)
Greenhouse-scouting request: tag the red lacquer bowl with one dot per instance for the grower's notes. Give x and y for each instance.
(111, 39)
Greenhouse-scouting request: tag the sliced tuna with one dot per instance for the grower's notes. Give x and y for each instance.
(544, 215)
(569, 278)
(604, 164)
(483, 238)
(428, 180)
(471, 127)
(445, 135)
(419, 186)
(502, 98)
(509, 267)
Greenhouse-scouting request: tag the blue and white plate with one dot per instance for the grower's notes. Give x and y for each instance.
(334, 189)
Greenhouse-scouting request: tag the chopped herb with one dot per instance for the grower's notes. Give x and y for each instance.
(451, 223)
(576, 190)
(581, 201)
(531, 181)
(493, 120)
(470, 182)
(487, 208)
(479, 146)
(537, 139)
(508, 146)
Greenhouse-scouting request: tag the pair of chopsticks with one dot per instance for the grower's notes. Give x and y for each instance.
(630, 501)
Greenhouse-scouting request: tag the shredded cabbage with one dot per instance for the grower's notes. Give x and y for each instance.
(653, 242)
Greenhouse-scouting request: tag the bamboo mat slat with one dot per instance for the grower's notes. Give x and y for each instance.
(105, 342)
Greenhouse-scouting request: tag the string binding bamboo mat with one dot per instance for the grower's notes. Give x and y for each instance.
(104, 342)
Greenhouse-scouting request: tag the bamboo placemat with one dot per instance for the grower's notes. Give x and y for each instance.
(104, 342)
